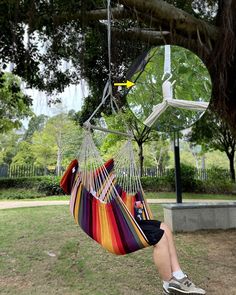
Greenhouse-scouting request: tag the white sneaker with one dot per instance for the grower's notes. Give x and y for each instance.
(184, 286)
(165, 291)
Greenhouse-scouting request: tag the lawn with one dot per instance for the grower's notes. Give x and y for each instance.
(42, 251)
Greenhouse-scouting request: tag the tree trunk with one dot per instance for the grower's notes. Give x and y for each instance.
(231, 166)
(45, 170)
(59, 158)
(141, 158)
(222, 65)
(203, 162)
(59, 152)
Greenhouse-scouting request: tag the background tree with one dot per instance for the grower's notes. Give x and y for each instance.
(158, 153)
(66, 135)
(213, 133)
(36, 123)
(44, 149)
(126, 122)
(24, 155)
(14, 105)
(8, 147)
(66, 40)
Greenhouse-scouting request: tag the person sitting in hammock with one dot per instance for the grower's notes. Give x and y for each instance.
(158, 234)
(175, 281)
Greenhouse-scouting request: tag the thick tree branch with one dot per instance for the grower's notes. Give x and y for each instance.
(154, 38)
(172, 16)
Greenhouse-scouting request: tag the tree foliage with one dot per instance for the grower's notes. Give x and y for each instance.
(8, 146)
(126, 122)
(53, 43)
(186, 69)
(213, 133)
(14, 105)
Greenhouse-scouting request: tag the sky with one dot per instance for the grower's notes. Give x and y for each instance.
(71, 98)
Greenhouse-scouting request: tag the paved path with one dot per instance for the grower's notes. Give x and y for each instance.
(21, 204)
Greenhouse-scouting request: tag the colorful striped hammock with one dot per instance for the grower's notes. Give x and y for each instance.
(103, 209)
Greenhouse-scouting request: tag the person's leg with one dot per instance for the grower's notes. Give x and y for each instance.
(162, 260)
(166, 261)
(172, 249)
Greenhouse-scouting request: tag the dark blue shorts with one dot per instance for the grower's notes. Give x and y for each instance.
(152, 230)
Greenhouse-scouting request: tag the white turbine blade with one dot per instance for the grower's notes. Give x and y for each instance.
(189, 105)
(157, 111)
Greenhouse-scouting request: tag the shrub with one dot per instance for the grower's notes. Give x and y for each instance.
(216, 174)
(21, 182)
(215, 187)
(155, 184)
(188, 180)
(46, 185)
(50, 186)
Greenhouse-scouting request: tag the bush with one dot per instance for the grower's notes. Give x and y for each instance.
(155, 184)
(188, 180)
(215, 187)
(216, 174)
(21, 182)
(46, 185)
(50, 186)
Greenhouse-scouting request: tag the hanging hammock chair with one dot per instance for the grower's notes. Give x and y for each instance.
(103, 198)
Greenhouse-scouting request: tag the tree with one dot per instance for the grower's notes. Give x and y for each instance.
(75, 31)
(14, 105)
(186, 69)
(57, 143)
(213, 133)
(24, 155)
(126, 122)
(66, 135)
(36, 123)
(44, 149)
(8, 147)
(158, 152)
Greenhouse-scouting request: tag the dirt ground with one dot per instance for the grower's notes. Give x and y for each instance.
(219, 260)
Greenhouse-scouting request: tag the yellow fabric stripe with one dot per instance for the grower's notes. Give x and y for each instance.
(106, 240)
(129, 202)
(77, 202)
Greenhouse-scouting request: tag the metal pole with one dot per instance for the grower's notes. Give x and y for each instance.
(88, 125)
(178, 185)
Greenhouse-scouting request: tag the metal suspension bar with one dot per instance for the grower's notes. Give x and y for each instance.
(88, 126)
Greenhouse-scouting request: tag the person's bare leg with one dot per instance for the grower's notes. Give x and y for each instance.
(172, 250)
(162, 259)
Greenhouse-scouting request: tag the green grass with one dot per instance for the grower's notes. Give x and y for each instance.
(42, 251)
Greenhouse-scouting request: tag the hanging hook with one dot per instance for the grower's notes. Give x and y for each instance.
(164, 75)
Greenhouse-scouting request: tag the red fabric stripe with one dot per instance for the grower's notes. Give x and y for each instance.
(116, 239)
(96, 221)
(108, 165)
(66, 180)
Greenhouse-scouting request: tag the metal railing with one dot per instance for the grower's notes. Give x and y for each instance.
(10, 171)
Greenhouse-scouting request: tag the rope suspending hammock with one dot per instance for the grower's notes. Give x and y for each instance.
(167, 92)
(103, 195)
